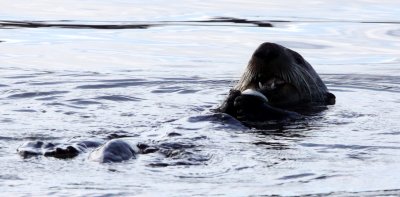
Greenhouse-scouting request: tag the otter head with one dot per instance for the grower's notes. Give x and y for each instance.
(284, 77)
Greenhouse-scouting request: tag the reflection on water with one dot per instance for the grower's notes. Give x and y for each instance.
(150, 75)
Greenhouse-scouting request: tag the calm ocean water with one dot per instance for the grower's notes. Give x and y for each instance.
(144, 70)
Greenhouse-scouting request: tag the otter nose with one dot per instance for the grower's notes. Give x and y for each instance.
(271, 83)
(268, 51)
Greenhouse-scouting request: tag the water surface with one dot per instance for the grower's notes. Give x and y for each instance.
(151, 71)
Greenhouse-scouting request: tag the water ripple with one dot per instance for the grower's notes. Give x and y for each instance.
(345, 146)
(36, 94)
(118, 98)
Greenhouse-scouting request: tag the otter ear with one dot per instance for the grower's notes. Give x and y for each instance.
(297, 57)
(330, 99)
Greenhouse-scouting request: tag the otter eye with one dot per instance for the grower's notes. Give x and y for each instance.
(261, 78)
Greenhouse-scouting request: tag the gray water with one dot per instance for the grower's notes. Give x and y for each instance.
(151, 71)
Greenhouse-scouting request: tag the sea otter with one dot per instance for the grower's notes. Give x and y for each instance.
(277, 84)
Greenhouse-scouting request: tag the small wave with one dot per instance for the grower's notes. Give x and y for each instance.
(110, 85)
(296, 176)
(118, 98)
(363, 81)
(395, 33)
(25, 110)
(302, 45)
(84, 102)
(351, 146)
(36, 94)
(389, 192)
(66, 105)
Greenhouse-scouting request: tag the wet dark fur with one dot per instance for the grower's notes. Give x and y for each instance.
(285, 78)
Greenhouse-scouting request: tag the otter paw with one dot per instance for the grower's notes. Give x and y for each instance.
(248, 107)
(57, 150)
(228, 105)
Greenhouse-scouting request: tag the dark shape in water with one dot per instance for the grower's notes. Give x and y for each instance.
(115, 150)
(57, 150)
(237, 20)
(41, 24)
(124, 24)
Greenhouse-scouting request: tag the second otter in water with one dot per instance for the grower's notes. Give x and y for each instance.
(285, 79)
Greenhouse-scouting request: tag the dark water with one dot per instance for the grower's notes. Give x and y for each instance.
(151, 71)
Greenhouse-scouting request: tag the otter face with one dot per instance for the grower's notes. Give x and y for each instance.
(279, 92)
(283, 76)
